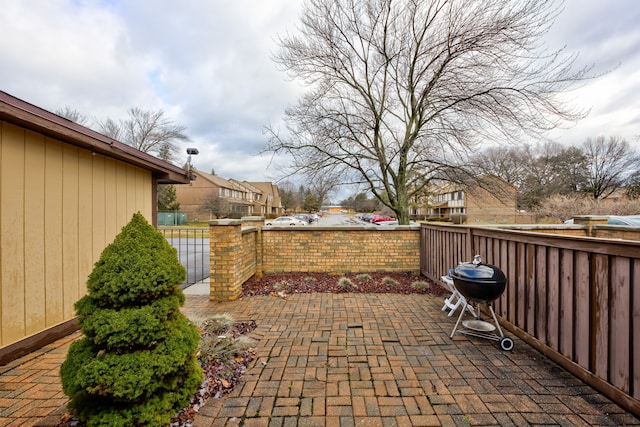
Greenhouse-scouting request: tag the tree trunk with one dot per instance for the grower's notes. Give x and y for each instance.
(402, 206)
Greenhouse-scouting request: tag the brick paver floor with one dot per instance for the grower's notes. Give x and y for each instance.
(354, 360)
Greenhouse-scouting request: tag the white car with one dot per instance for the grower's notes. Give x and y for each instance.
(285, 220)
(629, 220)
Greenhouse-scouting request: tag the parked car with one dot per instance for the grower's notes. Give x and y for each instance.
(628, 220)
(379, 218)
(632, 220)
(391, 222)
(365, 217)
(285, 220)
(304, 217)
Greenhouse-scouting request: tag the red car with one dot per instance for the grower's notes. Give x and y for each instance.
(379, 218)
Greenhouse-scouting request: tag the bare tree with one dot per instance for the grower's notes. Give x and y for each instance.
(216, 205)
(72, 114)
(148, 131)
(110, 128)
(538, 172)
(322, 184)
(508, 163)
(399, 89)
(610, 162)
(289, 196)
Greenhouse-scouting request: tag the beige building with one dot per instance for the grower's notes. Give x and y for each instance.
(65, 193)
(268, 204)
(237, 198)
(490, 199)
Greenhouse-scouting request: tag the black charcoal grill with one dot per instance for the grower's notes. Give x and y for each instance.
(480, 283)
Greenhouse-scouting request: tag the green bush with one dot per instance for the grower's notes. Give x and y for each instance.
(136, 363)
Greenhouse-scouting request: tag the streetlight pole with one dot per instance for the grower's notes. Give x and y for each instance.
(190, 152)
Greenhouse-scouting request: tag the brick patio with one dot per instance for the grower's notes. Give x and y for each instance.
(353, 360)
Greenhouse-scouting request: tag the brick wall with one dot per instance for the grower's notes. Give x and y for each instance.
(242, 248)
(233, 258)
(341, 249)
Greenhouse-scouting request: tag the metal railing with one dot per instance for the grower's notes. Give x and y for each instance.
(192, 245)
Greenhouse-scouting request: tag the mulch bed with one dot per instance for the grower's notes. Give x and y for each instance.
(291, 283)
(220, 377)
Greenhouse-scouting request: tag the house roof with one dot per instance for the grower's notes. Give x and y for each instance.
(214, 179)
(248, 186)
(267, 187)
(29, 116)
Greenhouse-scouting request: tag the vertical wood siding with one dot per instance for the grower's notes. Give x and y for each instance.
(576, 299)
(59, 207)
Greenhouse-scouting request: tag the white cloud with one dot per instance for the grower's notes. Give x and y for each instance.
(208, 65)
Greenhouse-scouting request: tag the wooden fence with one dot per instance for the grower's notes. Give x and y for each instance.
(576, 299)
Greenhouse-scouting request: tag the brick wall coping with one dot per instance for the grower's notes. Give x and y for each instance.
(225, 222)
(342, 227)
(253, 218)
(249, 229)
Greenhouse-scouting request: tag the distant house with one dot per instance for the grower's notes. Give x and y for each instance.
(236, 198)
(268, 203)
(335, 209)
(65, 193)
(489, 199)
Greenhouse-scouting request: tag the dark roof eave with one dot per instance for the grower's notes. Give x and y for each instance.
(23, 114)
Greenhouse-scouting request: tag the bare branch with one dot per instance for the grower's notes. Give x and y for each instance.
(401, 89)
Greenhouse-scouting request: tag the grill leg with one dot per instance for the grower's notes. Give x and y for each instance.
(495, 319)
(458, 322)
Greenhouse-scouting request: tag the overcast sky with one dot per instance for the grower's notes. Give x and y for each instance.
(207, 64)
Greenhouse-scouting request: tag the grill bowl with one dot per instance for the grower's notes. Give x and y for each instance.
(479, 282)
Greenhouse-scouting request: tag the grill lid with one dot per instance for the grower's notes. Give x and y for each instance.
(477, 272)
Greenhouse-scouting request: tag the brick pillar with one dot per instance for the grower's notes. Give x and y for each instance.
(258, 222)
(589, 221)
(225, 237)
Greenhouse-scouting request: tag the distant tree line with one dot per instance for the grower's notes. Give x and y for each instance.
(554, 180)
(300, 198)
(596, 169)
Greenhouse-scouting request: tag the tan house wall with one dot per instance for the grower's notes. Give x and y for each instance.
(499, 205)
(60, 205)
(191, 196)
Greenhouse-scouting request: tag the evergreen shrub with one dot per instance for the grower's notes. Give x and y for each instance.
(136, 362)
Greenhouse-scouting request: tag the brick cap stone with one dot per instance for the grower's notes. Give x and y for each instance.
(253, 218)
(225, 222)
(312, 228)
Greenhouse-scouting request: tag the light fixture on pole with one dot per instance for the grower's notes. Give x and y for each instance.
(190, 152)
